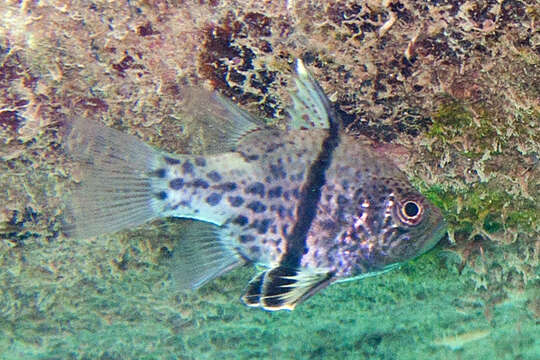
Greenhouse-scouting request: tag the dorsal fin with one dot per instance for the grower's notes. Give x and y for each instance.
(310, 108)
(224, 123)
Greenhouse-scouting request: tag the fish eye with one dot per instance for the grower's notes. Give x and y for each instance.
(411, 209)
(411, 212)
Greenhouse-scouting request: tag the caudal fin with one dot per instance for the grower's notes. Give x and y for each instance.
(116, 191)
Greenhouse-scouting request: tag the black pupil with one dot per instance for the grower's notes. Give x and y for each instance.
(411, 209)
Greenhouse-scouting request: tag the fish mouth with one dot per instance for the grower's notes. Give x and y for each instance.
(436, 236)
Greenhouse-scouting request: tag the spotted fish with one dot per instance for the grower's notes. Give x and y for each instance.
(311, 205)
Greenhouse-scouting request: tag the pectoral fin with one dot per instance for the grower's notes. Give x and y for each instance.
(282, 288)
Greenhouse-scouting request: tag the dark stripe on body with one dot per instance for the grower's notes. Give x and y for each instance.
(310, 197)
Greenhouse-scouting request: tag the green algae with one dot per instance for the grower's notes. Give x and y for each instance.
(481, 204)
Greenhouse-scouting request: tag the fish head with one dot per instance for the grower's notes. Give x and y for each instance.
(386, 222)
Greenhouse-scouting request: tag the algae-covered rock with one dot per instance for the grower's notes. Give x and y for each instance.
(454, 86)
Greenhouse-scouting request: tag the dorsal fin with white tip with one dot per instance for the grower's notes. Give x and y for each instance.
(310, 108)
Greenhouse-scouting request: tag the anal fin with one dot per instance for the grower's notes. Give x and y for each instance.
(252, 296)
(202, 254)
(282, 288)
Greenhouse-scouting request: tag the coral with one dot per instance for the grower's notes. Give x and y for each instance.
(452, 85)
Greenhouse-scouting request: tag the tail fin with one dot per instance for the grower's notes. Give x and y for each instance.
(116, 190)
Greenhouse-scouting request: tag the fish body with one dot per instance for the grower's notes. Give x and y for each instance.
(311, 204)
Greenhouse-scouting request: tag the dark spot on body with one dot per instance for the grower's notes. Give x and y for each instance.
(162, 195)
(176, 184)
(159, 173)
(256, 189)
(240, 220)
(275, 192)
(263, 226)
(286, 196)
(285, 229)
(246, 238)
(235, 201)
(228, 186)
(256, 206)
(296, 193)
(171, 161)
(297, 177)
(199, 183)
(255, 249)
(214, 176)
(253, 157)
(213, 199)
(187, 167)
(200, 161)
(281, 211)
(277, 170)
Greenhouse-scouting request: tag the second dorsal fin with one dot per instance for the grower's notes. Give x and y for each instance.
(223, 122)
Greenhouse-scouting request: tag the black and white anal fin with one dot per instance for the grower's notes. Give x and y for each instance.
(117, 186)
(252, 295)
(310, 108)
(203, 253)
(283, 288)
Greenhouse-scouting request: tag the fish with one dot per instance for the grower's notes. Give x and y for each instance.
(310, 205)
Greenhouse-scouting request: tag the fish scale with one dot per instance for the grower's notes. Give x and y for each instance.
(311, 204)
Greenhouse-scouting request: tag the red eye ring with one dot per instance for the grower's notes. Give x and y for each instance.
(410, 212)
